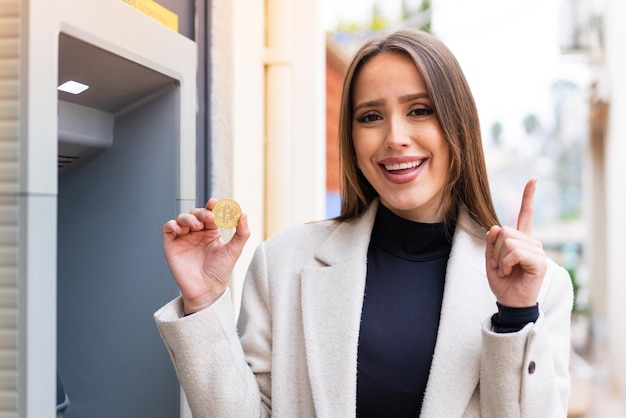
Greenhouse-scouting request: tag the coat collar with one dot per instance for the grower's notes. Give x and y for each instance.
(467, 302)
(332, 298)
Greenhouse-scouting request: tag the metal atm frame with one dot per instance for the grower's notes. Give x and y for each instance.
(52, 30)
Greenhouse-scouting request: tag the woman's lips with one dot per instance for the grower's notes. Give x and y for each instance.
(400, 172)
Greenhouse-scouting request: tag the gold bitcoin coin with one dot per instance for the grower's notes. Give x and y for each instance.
(227, 213)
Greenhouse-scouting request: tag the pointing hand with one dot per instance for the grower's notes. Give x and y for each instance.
(515, 262)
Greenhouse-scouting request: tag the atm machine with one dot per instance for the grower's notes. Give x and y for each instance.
(125, 165)
(118, 182)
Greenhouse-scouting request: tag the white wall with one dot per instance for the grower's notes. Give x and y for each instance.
(268, 115)
(615, 191)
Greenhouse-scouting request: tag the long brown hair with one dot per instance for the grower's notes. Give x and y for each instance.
(454, 106)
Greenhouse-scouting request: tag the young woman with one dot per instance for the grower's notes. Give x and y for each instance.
(413, 302)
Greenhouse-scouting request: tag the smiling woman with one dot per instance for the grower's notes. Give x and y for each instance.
(414, 301)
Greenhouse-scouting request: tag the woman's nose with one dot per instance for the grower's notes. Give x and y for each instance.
(398, 135)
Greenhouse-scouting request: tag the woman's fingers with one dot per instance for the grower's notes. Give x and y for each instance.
(516, 262)
(240, 237)
(490, 252)
(210, 203)
(527, 208)
(190, 221)
(205, 216)
(172, 229)
(196, 220)
(518, 253)
(199, 219)
(507, 247)
(498, 237)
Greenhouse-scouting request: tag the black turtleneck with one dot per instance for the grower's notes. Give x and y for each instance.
(406, 268)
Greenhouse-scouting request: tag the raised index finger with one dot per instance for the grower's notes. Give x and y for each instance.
(527, 209)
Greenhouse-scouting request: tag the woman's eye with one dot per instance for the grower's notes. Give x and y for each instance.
(369, 117)
(422, 111)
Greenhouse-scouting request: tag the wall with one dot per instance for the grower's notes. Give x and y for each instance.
(278, 176)
(11, 100)
(616, 197)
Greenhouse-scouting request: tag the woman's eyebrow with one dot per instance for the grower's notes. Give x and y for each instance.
(369, 103)
(410, 97)
(403, 99)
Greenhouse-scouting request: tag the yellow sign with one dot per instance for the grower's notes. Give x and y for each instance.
(156, 12)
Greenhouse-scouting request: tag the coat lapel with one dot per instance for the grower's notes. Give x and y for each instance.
(331, 299)
(467, 303)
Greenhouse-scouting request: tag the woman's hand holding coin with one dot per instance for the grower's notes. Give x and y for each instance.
(200, 261)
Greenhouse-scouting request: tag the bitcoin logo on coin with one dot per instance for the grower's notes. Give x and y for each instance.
(227, 213)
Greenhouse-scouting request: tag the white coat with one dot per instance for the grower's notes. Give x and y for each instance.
(295, 354)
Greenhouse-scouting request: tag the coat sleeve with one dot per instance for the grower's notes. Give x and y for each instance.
(218, 378)
(526, 373)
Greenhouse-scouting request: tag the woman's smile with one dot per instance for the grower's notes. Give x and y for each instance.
(401, 170)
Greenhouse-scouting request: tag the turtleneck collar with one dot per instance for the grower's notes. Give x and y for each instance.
(411, 240)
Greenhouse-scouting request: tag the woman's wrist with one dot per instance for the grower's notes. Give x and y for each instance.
(191, 306)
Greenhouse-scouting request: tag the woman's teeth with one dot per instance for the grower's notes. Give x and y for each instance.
(403, 166)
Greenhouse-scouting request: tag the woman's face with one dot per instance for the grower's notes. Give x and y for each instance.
(400, 148)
